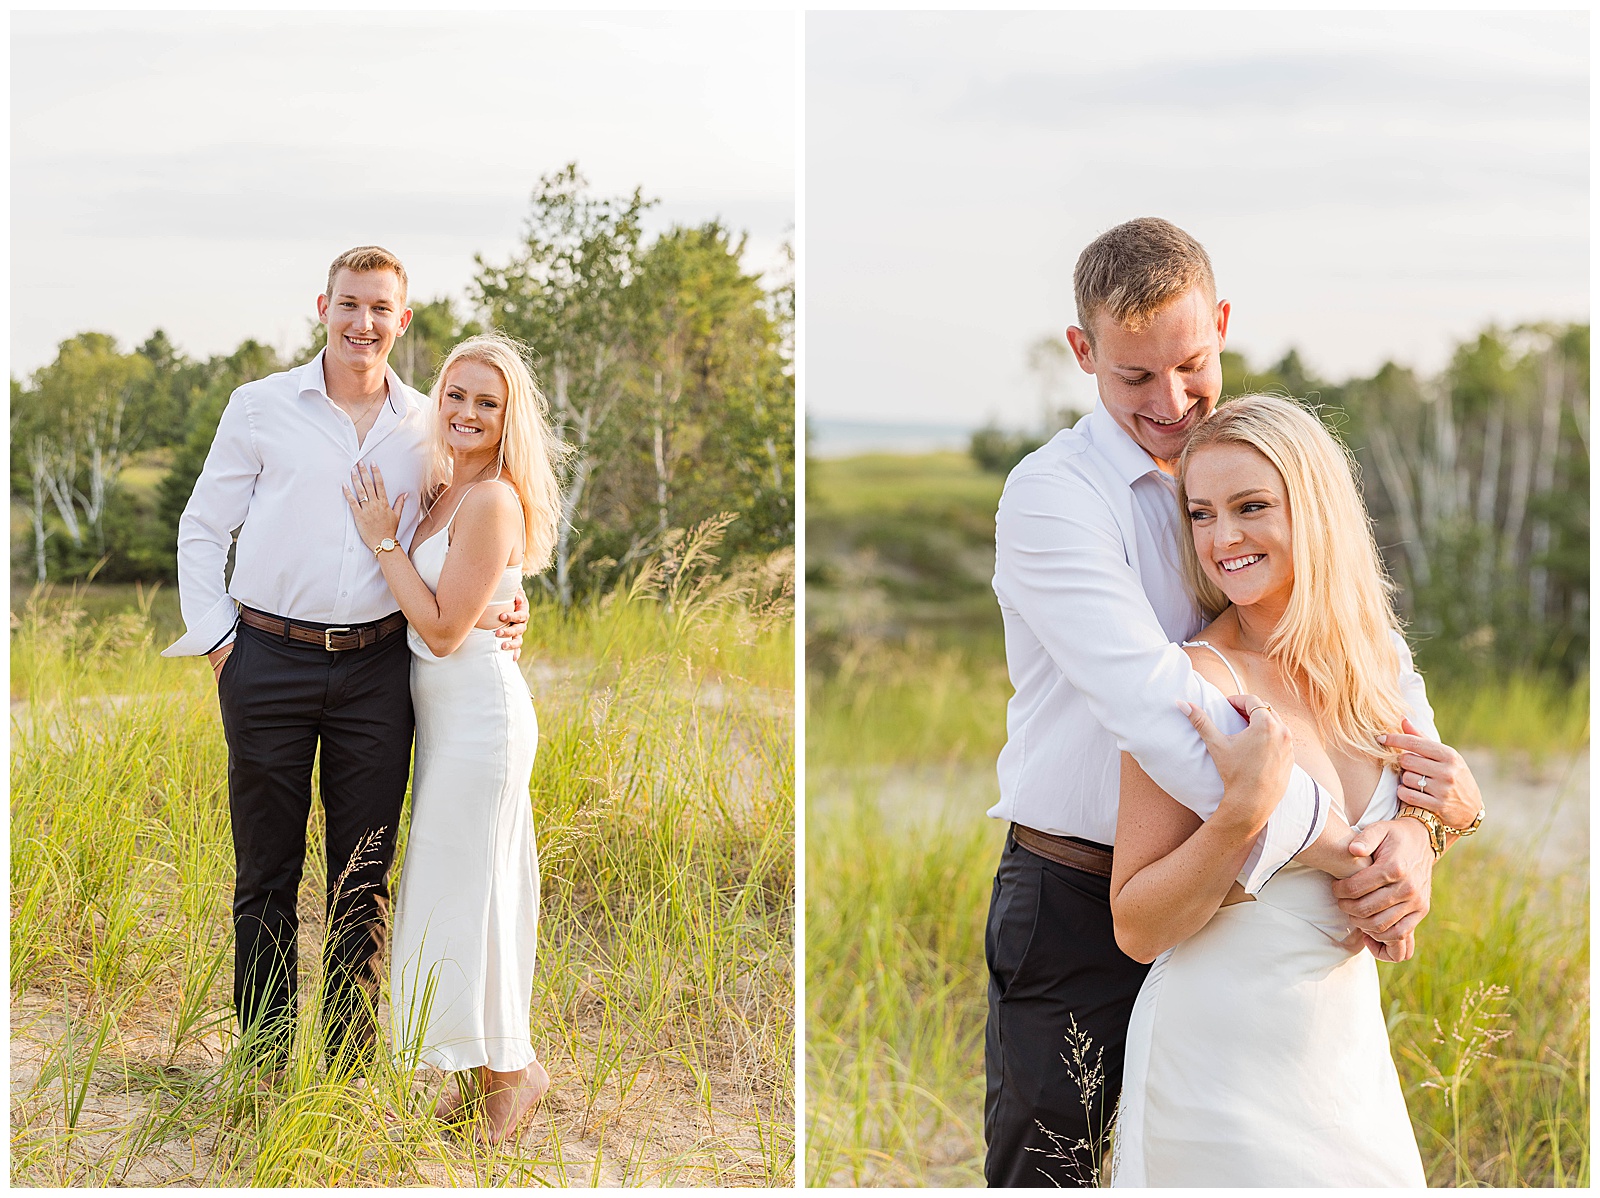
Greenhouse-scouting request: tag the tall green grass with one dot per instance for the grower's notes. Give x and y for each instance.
(1541, 716)
(913, 704)
(895, 985)
(663, 800)
(879, 483)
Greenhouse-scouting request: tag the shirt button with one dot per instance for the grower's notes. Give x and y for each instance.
(344, 594)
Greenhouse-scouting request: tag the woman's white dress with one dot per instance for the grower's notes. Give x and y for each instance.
(1258, 1054)
(466, 919)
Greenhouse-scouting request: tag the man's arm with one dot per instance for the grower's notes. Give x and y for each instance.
(218, 505)
(1061, 563)
(1173, 871)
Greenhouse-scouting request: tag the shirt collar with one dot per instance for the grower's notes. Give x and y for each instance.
(1126, 457)
(315, 381)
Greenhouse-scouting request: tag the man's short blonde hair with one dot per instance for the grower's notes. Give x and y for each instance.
(364, 258)
(1133, 271)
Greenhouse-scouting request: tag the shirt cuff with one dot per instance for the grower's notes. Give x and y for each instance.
(1297, 821)
(213, 631)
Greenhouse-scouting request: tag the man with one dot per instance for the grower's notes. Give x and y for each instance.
(308, 648)
(1086, 572)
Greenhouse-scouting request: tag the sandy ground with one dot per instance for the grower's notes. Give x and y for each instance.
(657, 1127)
(1531, 808)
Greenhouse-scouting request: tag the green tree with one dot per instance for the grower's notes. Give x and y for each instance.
(566, 293)
(714, 428)
(75, 426)
(171, 386)
(435, 327)
(997, 451)
(222, 375)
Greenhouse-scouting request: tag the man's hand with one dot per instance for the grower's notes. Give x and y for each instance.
(512, 625)
(1389, 898)
(216, 657)
(1401, 950)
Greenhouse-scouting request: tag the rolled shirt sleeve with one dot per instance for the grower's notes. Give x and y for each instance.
(216, 508)
(1062, 565)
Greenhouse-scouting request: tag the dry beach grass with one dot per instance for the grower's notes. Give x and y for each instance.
(895, 976)
(906, 692)
(663, 802)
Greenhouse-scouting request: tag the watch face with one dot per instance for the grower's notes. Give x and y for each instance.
(386, 543)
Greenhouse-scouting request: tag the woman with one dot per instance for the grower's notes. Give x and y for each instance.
(461, 969)
(1257, 1051)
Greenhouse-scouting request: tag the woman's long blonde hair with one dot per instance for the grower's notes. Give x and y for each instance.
(529, 450)
(1335, 634)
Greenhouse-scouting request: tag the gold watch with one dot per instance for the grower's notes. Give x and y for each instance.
(1470, 828)
(1430, 821)
(385, 545)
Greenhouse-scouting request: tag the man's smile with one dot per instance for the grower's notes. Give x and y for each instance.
(1176, 425)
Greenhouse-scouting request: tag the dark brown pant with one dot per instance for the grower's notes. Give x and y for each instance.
(1060, 996)
(280, 700)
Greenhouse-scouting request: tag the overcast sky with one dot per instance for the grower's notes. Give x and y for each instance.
(198, 171)
(1370, 186)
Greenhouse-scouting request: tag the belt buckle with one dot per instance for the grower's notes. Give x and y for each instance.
(327, 638)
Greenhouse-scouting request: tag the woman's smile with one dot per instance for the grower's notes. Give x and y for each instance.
(472, 405)
(1239, 518)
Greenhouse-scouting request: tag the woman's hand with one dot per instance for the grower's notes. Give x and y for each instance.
(1434, 777)
(1254, 764)
(369, 504)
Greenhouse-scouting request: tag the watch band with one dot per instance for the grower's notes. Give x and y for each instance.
(1430, 821)
(1470, 828)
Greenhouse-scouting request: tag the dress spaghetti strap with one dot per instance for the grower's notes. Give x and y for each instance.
(522, 524)
(448, 524)
(1238, 687)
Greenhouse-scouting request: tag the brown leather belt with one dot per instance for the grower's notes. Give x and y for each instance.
(334, 638)
(1064, 851)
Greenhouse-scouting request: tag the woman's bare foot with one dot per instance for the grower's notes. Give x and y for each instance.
(452, 1101)
(509, 1099)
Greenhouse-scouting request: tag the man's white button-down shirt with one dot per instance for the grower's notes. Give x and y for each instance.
(1086, 571)
(282, 453)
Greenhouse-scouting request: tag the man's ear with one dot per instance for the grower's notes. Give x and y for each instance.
(322, 309)
(1223, 309)
(1081, 349)
(405, 323)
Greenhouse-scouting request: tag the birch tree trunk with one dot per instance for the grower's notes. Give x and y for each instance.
(39, 532)
(661, 460)
(579, 427)
(1488, 499)
(1517, 497)
(56, 466)
(1553, 384)
(1398, 487)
